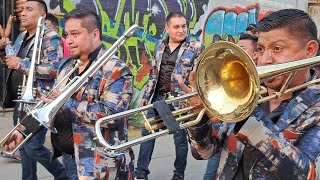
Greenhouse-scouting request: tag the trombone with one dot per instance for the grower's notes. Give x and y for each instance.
(39, 104)
(44, 113)
(228, 84)
(27, 86)
(26, 90)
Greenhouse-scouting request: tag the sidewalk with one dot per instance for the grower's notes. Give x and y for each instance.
(161, 165)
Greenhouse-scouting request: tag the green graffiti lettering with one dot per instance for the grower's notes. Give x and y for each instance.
(137, 51)
(68, 5)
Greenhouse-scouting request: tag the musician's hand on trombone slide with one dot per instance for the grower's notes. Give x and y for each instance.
(13, 141)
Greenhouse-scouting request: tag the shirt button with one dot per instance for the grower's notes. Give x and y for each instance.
(252, 148)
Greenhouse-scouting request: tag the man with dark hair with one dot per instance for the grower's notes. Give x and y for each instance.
(53, 23)
(248, 42)
(173, 59)
(108, 92)
(45, 73)
(280, 140)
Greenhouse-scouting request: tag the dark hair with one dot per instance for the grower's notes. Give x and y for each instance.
(295, 21)
(249, 37)
(251, 27)
(174, 14)
(53, 19)
(41, 4)
(253, 38)
(89, 19)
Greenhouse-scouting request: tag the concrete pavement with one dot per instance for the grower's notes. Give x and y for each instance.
(161, 165)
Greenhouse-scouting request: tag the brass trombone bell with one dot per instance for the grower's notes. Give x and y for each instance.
(228, 82)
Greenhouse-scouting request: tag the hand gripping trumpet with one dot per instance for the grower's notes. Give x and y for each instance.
(228, 85)
(45, 113)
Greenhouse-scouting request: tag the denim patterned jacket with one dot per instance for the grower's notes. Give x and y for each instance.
(50, 57)
(288, 149)
(108, 92)
(187, 59)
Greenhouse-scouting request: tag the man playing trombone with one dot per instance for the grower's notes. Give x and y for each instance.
(45, 73)
(109, 91)
(281, 138)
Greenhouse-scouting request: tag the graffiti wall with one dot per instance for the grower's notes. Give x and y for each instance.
(206, 19)
(314, 12)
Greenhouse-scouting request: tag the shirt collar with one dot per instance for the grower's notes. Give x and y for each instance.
(166, 41)
(93, 55)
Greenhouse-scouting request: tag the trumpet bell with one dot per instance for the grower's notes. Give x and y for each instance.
(227, 82)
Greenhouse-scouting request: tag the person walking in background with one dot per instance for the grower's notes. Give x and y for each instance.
(53, 23)
(248, 42)
(173, 59)
(45, 73)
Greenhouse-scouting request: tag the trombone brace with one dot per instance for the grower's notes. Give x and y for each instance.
(31, 125)
(164, 112)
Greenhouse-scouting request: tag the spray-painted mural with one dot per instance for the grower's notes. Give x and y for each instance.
(206, 19)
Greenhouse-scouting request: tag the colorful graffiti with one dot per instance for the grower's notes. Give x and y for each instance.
(205, 21)
(119, 15)
(230, 21)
